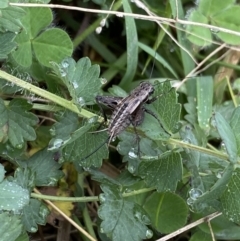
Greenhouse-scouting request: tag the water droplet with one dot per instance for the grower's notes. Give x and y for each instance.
(132, 153)
(52, 131)
(98, 30)
(149, 233)
(52, 181)
(103, 81)
(55, 144)
(33, 229)
(103, 22)
(219, 174)
(195, 193)
(43, 212)
(65, 64)
(145, 219)
(75, 84)
(131, 168)
(138, 215)
(102, 198)
(223, 147)
(19, 146)
(81, 101)
(92, 119)
(63, 73)
(190, 201)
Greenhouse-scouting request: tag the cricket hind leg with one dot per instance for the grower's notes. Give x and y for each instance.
(137, 120)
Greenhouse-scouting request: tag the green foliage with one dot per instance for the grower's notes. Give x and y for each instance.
(175, 160)
(221, 14)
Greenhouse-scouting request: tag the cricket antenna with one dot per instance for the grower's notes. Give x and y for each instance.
(86, 157)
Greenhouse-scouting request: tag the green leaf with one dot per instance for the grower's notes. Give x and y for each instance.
(235, 125)
(4, 4)
(132, 46)
(164, 173)
(158, 57)
(12, 196)
(167, 111)
(227, 136)
(48, 45)
(200, 236)
(82, 147)
(7, 44)
(167, 107)
(81, 78)
(209, 198)
(33, 214)
(223, 229)
(67, 123)
(204, 100)
(231, 198)
(19, 122)
(190, 108)
(122, 220)
(198, 35)
(10, 19)
(23, 237)
(228, 19)
(2, 172)
(167, 211)
(25, 178)
(10, 227)
(52, 45)
(45, 168)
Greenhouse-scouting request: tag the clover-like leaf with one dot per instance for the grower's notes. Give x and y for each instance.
(10, 19)
(167, 211)
(7, 44)
(49, 45)
(122, 219)
(17, 122)
(163, 173)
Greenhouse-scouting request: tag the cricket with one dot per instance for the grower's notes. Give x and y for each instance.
(127, 111)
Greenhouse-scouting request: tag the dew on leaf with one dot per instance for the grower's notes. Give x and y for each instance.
(33, 229)
(131, 168)
(81, 101)
(103, 81)
(65, 64)
(132, 153)
(19, 146)
(52, 131)
(55, 144)
(195, 193)
(149, 233)
(75, 84)
(190, 201)
(102, 198)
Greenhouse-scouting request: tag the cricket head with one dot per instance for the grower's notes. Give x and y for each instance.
(143, 91)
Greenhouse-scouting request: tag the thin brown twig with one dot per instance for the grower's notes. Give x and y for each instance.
(189, 226)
